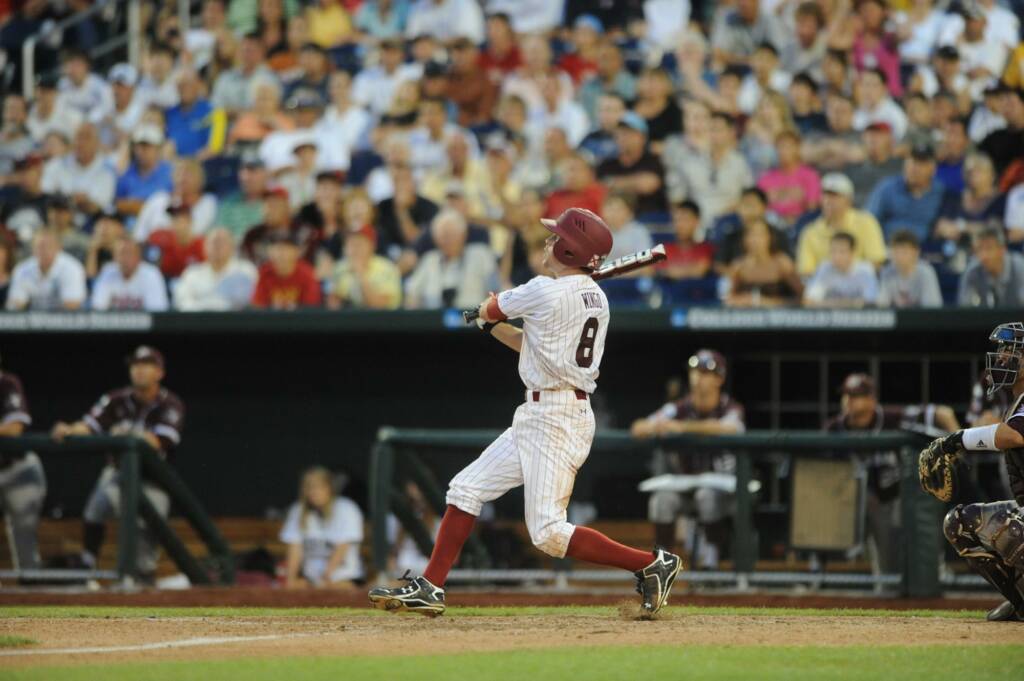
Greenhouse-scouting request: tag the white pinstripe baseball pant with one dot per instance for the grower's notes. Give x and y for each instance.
(543, 450)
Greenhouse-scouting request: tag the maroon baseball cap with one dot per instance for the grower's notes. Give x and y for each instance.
(145, 353)
(275, 192)
(708, 360)
(858, 385)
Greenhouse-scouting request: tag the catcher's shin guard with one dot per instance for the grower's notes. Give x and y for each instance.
(962, 526)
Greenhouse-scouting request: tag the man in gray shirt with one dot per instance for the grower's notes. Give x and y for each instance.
(907, 281)
(737, 33)
(233, 89)
(995, 278)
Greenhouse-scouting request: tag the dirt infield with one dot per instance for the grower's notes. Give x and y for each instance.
(278, 598)
(97, 641)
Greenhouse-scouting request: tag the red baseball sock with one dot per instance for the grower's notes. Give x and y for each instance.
(455, 528)
(593, 547)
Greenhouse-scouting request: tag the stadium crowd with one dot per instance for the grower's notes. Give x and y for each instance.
(387, 153)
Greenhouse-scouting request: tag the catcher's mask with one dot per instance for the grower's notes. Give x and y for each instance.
(1003, 366)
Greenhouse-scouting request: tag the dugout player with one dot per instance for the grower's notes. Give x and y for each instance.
(22, 481)
(706, 410)
(990, 536)
(565, 322)
(861, 412)
(147, 410)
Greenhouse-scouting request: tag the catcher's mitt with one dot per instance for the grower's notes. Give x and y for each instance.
(938, 469)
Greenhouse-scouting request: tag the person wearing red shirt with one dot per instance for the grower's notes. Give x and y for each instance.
(582, 61)
(286, 281)
(687, 257)
(579, 189)
(174, 248)
(501, 56)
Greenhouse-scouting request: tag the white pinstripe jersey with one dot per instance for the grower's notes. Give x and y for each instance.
(565, 322)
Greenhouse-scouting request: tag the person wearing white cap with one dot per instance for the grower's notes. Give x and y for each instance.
(147, 174)
(129, 105)
(838, 215)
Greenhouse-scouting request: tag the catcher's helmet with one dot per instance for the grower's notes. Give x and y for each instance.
(1003, 366)
(583, 238)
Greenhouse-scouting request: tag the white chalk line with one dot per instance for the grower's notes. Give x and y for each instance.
(184, 643)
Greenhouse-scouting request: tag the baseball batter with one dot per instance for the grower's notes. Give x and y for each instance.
(565, 322)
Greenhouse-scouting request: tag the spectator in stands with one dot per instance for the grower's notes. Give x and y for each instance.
(175, 247)
(629, 235)
(911, 200)
(580, 59)
(314, 69)
(276, 221)
(686, 258)
(233, 89)
(995, 278)
(742, 29)
(351, 121)
(839, 215)
(983, 58)
(908, 281)
(1007, 144)
(323, 531)
(382, 19)
(951, 155)
(806, 53)
(150, 412)
(728, 232)
(158, 87)
(363, 279)
(635, 170)
(706, 410)
(428, 141)
(765, 75)
(402, 218)
(771, 118)
(61, 219)
(470, 87)
(147, 174)
(49, 280)
(193, 126)
(220, 284)
(705, 166)
(808, 116)
(265, 117)
(22, 479)
(878, 162)
(843, 280)
(764, 275)
(83, 175)
(793, 188)
(15, 140)
(840, 144)
(107, 231)
(82, 90)
(374, 87)
(875, 105)
(446, 20)
(981, 202)
(580, 189)
(917, 28)
(329, 24)
(24, 208)
(243, 209)
(129, 105)
(1014, 216)
(189, 180)
(874, 45)
(128, 283)
(46, 116)
(599, 144)
(453, 274)
(323, 215)
(655, 104)
(286, 282)
(458, 167)
(610, 79)
(501, 55)
(921, 130)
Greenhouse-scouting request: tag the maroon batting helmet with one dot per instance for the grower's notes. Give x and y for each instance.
(583, 238)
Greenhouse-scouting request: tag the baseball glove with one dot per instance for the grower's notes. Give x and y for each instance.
(938, 469)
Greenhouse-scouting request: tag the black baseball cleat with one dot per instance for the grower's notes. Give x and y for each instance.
(1003, 612)
(418, 595)
(654, 582)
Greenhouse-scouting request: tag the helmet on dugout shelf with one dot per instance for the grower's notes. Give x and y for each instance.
(583, 238)
(1003, 366)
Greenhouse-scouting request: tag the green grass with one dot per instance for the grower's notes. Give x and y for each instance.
(16, 641)
(742, 663)
(52, 612)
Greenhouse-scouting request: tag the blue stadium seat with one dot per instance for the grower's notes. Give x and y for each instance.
(949, 283)
(628, 291)
(690, 291)
(222, 174)
(662, 236)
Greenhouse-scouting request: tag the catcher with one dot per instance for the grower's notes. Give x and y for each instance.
(989, 536)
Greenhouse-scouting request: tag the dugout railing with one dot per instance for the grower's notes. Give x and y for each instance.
(136, 461)
(404, 454)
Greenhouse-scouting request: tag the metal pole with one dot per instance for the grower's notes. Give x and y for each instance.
(135, 33)
(381, 470)
(745, 542)
(28, 67)
(128, 529)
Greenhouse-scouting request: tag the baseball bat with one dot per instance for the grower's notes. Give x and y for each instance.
(615, 268)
